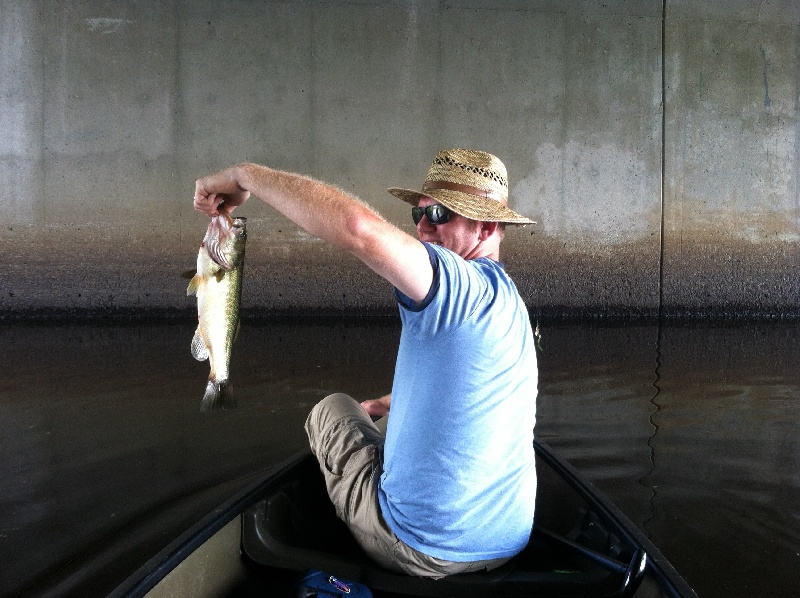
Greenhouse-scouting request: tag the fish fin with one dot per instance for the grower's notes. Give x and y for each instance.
(199, 349)
(189, 274)
(193, 285)
(219, 275)
(219, 395)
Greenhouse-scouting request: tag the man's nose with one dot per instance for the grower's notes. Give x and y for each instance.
(425, 224)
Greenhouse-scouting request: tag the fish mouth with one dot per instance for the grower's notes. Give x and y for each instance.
(223, 234)
(224, 213)
(218, 230)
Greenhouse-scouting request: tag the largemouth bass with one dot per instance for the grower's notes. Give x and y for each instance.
(218, 286)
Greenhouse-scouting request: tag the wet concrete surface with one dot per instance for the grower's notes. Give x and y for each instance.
(58, 272)
(690, 427)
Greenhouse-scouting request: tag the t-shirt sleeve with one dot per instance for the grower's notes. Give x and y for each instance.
(409, 303)
(460, 288)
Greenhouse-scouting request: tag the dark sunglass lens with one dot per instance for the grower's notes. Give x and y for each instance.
(438, 214)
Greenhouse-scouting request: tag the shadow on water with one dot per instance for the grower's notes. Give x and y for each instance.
(691, 429)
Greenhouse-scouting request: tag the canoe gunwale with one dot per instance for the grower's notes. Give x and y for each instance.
(155, 569)
(655, 560)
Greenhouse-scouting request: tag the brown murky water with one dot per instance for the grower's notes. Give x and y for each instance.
(691, 428)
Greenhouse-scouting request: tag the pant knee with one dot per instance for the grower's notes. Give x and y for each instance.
(327, 410)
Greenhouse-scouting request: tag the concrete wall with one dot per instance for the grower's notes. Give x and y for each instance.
(109, 110)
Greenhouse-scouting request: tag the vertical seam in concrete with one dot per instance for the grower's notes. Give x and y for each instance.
(663, 156)
(39, 214)
(651, 488)
(796, 173)
(178, 122)
(313, 112)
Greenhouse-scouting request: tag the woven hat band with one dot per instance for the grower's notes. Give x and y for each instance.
(433, 185)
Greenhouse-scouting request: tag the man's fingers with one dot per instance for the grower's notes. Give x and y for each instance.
(206, 202)
(375, 407)
(214, 190)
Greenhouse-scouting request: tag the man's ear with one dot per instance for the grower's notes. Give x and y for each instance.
(487, 230)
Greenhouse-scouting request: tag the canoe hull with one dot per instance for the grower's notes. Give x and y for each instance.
(261, 542)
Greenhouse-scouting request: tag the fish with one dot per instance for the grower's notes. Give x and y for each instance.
(217, 283)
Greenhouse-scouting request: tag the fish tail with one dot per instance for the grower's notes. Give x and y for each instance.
(219, 395)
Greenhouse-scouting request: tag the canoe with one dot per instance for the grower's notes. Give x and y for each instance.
(267, 538)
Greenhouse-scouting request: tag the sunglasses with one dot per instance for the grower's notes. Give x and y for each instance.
(436, 213)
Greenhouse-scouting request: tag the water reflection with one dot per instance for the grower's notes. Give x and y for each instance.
(690, 428)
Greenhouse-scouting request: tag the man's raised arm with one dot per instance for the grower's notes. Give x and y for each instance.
(327, 213)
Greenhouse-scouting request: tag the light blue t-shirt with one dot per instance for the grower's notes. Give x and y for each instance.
(459, 479)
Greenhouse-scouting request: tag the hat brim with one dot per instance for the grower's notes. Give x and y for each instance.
(469, 206)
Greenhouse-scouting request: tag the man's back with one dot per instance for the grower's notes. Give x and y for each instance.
(459, 480)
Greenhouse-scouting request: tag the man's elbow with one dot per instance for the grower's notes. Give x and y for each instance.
(365, 230)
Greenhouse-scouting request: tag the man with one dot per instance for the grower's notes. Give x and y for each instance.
(451, 485)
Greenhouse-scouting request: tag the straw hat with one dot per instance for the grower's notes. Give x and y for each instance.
(468, 182)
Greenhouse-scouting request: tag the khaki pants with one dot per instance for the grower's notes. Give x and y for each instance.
(349, 448)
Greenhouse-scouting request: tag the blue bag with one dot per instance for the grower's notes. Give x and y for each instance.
(317, 583)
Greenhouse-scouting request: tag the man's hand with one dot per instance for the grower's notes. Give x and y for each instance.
(223, 187)
(377, 407)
